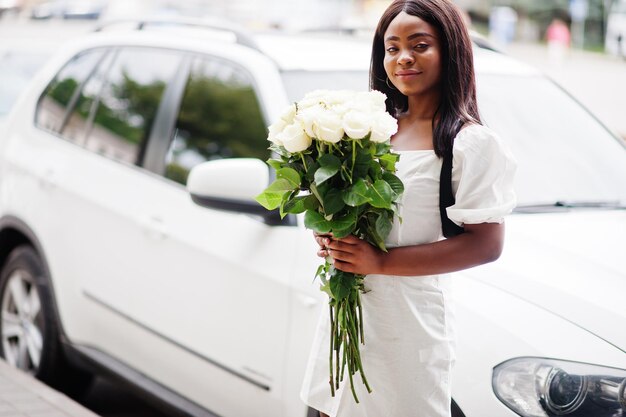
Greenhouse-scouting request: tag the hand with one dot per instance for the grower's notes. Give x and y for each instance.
(351, 254)
(322, 239)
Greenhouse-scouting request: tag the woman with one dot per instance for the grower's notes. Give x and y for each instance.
(422, 60)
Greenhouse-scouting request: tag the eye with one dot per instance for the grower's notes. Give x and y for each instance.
(421, 46)
(391, 49)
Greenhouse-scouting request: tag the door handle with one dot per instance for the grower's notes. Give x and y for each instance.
(48, 180)
(154, 227)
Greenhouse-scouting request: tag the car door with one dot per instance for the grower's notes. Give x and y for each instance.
(209, 289)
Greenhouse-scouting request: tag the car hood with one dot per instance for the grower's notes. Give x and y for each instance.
(572, 264)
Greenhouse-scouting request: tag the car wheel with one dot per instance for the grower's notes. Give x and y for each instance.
(29, 329)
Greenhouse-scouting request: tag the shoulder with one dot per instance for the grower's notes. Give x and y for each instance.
(478, 139)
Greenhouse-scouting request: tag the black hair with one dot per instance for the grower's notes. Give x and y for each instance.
(458, 104)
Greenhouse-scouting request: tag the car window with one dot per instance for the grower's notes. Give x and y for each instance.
(120, 110)
(76, 123)
(54, 102)
(563, 152)
(219, 117)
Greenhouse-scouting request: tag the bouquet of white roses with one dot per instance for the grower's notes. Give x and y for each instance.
(335, 165)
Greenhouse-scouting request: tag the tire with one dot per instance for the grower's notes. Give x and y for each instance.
(29, 328)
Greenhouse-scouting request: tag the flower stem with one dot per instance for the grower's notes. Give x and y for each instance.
(353, 159)
(333, 324)
(360, 307)
(304, 162)
(350, 372)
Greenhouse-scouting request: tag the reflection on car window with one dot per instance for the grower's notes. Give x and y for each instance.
(76, 124)
(563, 153)
(219, 117)
(121, 117)
(52, 106)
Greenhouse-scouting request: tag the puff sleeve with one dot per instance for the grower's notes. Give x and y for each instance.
(483, 170)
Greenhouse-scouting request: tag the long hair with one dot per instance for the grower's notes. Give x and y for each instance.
(458, 84)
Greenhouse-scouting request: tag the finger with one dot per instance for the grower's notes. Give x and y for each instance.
(325, 242)
(350, 239)
(343, 266)
(322, 253)
(341, 245)
(322, 241)
(341, 255)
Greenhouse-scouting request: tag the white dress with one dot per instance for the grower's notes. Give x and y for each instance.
(408, 321)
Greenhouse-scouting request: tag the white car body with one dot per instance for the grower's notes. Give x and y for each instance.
(214, 311)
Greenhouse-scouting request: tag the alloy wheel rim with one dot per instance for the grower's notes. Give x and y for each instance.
(22, 322)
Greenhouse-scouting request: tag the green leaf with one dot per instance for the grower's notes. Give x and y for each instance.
(333, 201)
(394, 182)
(373, 237)
(345, 225)
(357, 194)
(270, 199)
(300, 204)
(312, 166)
(290, 175)
(388, 161)
(319, 272)
(329, 167)
(281, 184)
(382, 148)
(325, 287)
(273, 195)
(316, 222)
(341, 283)
(275, 163)
(361, 163)
(311, 202)
(380, 194)
(383, 225)
(287, 197)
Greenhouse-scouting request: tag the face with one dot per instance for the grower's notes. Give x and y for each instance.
(412, 56)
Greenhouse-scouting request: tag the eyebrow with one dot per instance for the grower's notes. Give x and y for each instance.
(413, 36)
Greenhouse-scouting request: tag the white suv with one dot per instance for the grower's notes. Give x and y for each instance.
(109, 265)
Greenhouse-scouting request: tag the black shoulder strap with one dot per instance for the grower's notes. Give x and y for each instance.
(446, 197)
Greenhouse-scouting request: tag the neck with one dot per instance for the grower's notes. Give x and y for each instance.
(422, 107)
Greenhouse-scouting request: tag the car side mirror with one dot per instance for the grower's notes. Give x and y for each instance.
(231, 185)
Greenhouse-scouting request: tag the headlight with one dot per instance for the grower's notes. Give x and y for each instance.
(536, 387)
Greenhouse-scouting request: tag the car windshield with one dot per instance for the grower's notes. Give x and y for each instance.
(565, 156)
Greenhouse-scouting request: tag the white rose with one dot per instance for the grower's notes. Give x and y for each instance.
(339, 97)
(356, 124)
(328, 127)
(308, 117)
(288, 114)
(370, 102)
(377, 100)
(274, 130)
(313, 98)
(341, 109)
(384, 126)
(294, 138)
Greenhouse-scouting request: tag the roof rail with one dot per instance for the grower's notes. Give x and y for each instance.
(242, 37)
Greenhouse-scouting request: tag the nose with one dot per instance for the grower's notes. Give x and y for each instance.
(405, 57)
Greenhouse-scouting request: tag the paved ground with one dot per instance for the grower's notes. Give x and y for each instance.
(23, 396)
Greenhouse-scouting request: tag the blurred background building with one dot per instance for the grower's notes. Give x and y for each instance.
(506, 20)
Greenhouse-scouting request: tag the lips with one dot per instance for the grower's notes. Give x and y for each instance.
(407, 73)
